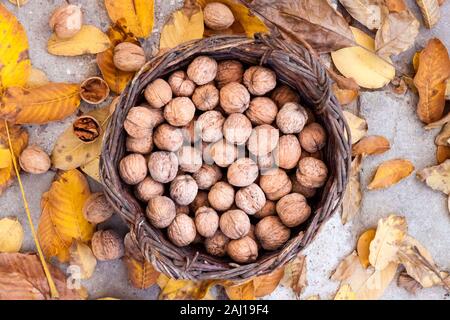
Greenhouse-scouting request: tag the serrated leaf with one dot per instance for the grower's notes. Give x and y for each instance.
(351, 202)
(172, 289)
(141, 274)
(391, 172)
(437, 177)
(81, 255)
(358, 126)
(51, 102)
(430, 12)
(11, 235)
(62, 219)
(36, 79)
(367, 12)
(89, 40)
(371, 145)
(15, 63)
(362, 246)
(265, 285)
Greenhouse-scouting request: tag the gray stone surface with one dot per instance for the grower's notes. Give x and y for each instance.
(387, 114)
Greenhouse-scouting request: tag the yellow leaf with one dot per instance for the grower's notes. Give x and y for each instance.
(5, 158)
(62, 219)
(344, 96)
(141, 274)
(265, 285)
(172, 289)
(430, 11)
(362, 247)
(11, 235)
(351, 202)
(362, 64)
(358, 126)
(245, 291)
(390, 173)
(89, 40)
(37, 78)
(15, 63)
(81, 255)
(389, 236)
(70, 152)
(437, 177)
(371, 145)
(51, 102)
(345, 293)
(92, 169)
(137, 14)
(184, 25)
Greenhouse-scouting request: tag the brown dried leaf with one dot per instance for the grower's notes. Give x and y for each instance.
(443, 136)
(367, 12)
(439, 123)
(295, 275)
(362, 246)
(408, 283)
(141, 274)
(245, 291)
(172, 289)
(390, 173)
(351, 203)
(81, 255)
(442, 154)
(430, 12)
(358, 126)
(437, 177)
(371, 145)
(344, 96)
(395, 5)
(265, 285)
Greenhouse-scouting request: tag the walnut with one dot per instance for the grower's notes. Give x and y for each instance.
(217, 16)
(262, 110)
(148, 189)
(272, 233)
(157, 116)
(235, 224)
(298, 188)
(183, 190)
(158, 93)
(250, 199)
(229, 71)
(202, 70)
(293, 209)
(223, 153)
(288, 152)
(94, 90)
(206, 97)
(207, 176)
(107, 245)
(189, 134)
(201, 200)
(140, 145)
(243, 172)
(275, 184)
(189, 159)
(206, 221)
(128, 57)
(284, 94)
(66, 21)
(267, 210)
(266, 162)
(237, 128)
(209, 126)
(234, 97)
(179, 112)
(263, 140)
(291, 118)
(168, 138)
(259, 80)
(97, 209)
(161, 211)
(221, 196)
(313, 137)
(312, 172)
(206, 152)
(243, 250)
(34, 160)
(182, 230)
(217, 244)
(139, 122)
(133, 168)
(181, 85)
(163, 166)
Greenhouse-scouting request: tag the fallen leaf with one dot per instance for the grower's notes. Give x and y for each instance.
(295, 275)
(437, 177)
(81, 255)
(36, 79)
(368, 69)
(430, 12)
(15, 62)
(89, 40)
(434, 70)
(362, 246)
(395, 5)
(399, 85)
(406, 282)
(18, 2)
(358, 126)
(245, 291)
(367, 12)
(438, 124)
(447, 90)
(371, 145)
(265, 285)
(184, 25)
(51, 102)
(344, 96)
(443, 136)
(62, 219)
(70, 152)
(313, 297)
(351, 201)
(345, 292)
(391, 232)
(137, 14)
(390, 173)
(22, 278)
(349, 266)
(397, 34)
(5, 158)
(11, 235)
(416, 61)
(142, 274)
(442, 153)
(172, 289)
(92, 169)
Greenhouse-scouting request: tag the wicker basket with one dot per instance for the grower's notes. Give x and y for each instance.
(294, 66)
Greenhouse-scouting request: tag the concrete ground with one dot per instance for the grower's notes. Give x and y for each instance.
(387, 114)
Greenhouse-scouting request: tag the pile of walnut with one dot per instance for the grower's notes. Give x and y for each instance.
(225, 157)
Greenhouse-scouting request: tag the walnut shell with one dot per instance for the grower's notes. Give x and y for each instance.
(221, 196)
(161, 211)
(237, 128)
(267, 210)
(181, 85)
(128, 57)
(217, 244)
(107, 245)
(148, 189)
(235, 224)
(209, 125)
(133, 168)
(298, 188)
(263, 140)
(313, 137)
(272, 233)
(97, 209)
(189, 134)
(179, 112)
(168, 138)
(243, 250)
(243, 172)
(250, 199)
(183, 190)
(140, 145)
(34, 160)
(217, 16)
(206, 221)
(293, 210)
(202, 70)
(275, 184)
(206, 97)
(312, 172)
(266, 162)
(139, 122)
(158, 93)
(234, 98)
(182, 230)
(291, 118)
(223, 153)
(163, 166)
(262, 110)
(284, 94)
(288, 152)
(94, 90)
(189, 159)
(259, 80)
(207, 176)
(201, 200)
(66, 21)
(229, 71)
